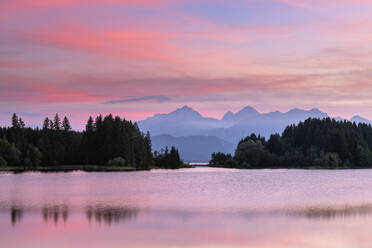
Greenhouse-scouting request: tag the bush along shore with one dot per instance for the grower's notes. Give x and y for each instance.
(107, 144)
(312, 144)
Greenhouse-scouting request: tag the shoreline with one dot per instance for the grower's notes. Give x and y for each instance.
(66, 168)
(298, 168)
(71, 168)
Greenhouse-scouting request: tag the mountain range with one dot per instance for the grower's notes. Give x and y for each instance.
(197, 136)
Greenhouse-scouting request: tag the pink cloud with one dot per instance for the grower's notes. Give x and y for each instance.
(23, 4)
(309, 4)
(33, 91)
(12, 64)
(174, 52)
(183, 56)
(125, 44)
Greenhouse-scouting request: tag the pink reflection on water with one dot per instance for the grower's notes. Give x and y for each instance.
(200, 207)
(166, 229)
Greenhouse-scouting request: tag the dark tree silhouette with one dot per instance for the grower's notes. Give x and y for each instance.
(66, 126)
(57, 123)
(168, 159)
(314, 143)
(15, 122)
(108, 140)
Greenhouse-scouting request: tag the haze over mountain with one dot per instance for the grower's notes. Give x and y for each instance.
(181, 122)
(233, 126)
(197, 136)
(249, 120)
(358, 119)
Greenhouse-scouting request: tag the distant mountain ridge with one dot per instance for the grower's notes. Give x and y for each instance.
(248, 121)
(185, 121)
(358, 119)
(182, 122)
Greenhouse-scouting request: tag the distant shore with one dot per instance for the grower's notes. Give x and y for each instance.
(70, 168)
(292, 168)
(67, 168)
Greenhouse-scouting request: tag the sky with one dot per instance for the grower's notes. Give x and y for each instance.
(135, 58)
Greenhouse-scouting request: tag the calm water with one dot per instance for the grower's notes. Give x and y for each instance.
(201, 207)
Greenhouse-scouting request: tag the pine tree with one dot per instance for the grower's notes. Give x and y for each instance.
(98, 124)
(57, 123)
(51, 125)
(15, 121)
(148, 151)
(46, 124)
(148, 140)
(174, 158)
(89, 127)
(66, 124)
(21, 123)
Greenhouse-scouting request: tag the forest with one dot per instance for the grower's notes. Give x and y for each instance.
(314, 143)
(106, 142)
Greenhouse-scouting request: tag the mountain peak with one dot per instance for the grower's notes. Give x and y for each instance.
(243, 114)
(356, 117)
(228, 116)
(185, 111)
(185, 108)
(248, 110)
(315, 110)
(360, 119)
(295, 110)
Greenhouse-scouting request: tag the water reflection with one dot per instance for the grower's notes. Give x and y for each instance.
(16, 214)
(55, 213)
(190, 208)
(118, 214)
(110, 215)
(332, 213)
(60, 213)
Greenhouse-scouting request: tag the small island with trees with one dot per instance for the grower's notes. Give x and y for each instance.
(107, 144)
(312, 144)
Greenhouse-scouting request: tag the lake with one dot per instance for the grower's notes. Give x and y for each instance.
(199, 207)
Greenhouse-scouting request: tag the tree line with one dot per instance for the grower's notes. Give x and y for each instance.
(314, 143)
(106, 141)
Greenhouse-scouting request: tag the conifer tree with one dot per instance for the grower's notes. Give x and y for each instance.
(57, 123)
(21, 123)
(15, 121)
(46, 124)
(66, 124)
(51, 125)
(89, 126)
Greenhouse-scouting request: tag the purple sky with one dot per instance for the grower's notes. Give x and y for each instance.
(136, 57)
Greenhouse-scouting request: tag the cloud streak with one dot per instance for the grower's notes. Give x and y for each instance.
(80, 56)
(140, 99)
